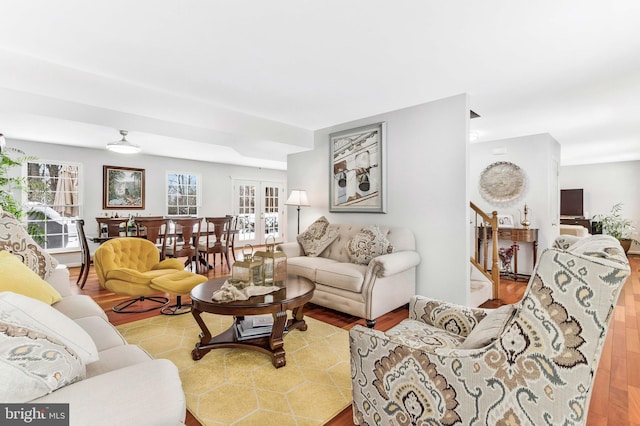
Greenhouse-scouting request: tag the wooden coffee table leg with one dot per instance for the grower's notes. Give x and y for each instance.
(298, 319)
(205, 337)
(276, 340)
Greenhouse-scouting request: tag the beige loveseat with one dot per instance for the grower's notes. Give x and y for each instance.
(104, 380)
(366, 291)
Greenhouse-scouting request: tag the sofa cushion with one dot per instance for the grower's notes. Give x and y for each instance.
(346, 276)
(117, 357)
(79, 306)
(19, 309)
(103, 334)
(367, 244)
(317, 237)
(18, 278)
(489, 328)
(304, 266)
(15, 239)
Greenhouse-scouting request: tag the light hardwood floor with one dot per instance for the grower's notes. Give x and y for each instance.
(616, 395)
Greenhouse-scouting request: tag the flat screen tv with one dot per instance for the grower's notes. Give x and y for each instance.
(572, 202)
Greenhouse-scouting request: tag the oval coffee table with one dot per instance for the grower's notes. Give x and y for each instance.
(295, 292)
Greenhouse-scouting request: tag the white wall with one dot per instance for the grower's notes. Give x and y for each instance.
(217, 192)
(427, 151)
(537, 156)
(604, 185)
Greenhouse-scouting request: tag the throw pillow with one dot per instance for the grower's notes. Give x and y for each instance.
(367, 244)
(33, 365)
(23, 311)
(317, 237)
(15, 239)
(489, 329)
(18, 278)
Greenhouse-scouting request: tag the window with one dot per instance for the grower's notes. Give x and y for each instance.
(182, 194)
(53, 203)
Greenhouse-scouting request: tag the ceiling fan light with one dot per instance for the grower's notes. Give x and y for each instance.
(123, 146)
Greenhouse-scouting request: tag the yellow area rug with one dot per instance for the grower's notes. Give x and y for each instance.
(242, 387)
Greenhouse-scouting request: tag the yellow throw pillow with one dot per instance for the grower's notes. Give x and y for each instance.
(18, 278)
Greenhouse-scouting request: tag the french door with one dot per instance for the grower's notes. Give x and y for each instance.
(260, 209)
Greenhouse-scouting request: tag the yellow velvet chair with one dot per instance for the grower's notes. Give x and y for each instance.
(127, 265)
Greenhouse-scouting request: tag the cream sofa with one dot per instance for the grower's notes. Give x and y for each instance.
(366, 291)
(61, 348)
(125, 385)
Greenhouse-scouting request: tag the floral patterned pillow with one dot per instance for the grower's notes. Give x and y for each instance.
(15, 239)
(317, 237)
(35, 357)
(367, 244)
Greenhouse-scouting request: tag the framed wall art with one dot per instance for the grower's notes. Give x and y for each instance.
(122, 188)
(357, 181)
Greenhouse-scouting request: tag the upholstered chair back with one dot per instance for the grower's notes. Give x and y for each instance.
(128, 252)
(537, 367)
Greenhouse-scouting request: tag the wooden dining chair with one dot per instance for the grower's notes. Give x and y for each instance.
(184, 240)
(155, 230)
(215, 241)
(85, 254)
(233, 231)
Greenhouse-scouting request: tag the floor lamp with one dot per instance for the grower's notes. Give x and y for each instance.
(298, 197)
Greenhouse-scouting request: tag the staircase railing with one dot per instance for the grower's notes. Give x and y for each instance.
(482, 223)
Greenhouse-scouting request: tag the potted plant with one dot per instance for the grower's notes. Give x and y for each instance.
(618, 227)
(10, 158)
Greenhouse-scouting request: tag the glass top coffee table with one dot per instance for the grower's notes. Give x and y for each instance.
(295, 292)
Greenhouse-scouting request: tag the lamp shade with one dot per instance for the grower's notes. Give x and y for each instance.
(298, 197)
(123, 146)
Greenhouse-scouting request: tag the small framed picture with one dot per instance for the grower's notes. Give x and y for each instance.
(505, 221)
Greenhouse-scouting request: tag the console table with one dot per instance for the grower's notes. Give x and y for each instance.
(516, 235)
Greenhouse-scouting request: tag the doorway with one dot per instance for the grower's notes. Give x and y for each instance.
(260, 209)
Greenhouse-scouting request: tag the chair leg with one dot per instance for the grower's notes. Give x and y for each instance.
(371, 323)
(122, 306)
(82, 266)
(85, 274)
(177, 309)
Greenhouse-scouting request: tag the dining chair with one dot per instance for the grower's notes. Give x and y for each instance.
(85, 254)
(233, 231)
(155, 230)
(183, 242)
(215, 241)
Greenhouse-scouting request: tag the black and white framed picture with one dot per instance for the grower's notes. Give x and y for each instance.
(357, 176)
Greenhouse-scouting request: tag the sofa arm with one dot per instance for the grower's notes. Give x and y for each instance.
(393, 263)
(291, 249)
(453, 318)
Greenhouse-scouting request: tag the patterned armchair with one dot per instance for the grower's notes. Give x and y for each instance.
(537, 368)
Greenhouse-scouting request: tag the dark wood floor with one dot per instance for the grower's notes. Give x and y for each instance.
(616, 395)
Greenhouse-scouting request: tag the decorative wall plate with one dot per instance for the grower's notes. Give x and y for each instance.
(502, 183)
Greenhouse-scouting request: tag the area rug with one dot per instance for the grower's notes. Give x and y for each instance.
(242, 387)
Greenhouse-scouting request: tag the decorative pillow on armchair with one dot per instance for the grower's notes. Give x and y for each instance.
(367, 244)
(317, 237)
(15, 239)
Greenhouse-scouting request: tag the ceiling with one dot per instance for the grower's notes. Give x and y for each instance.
(247, 81)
